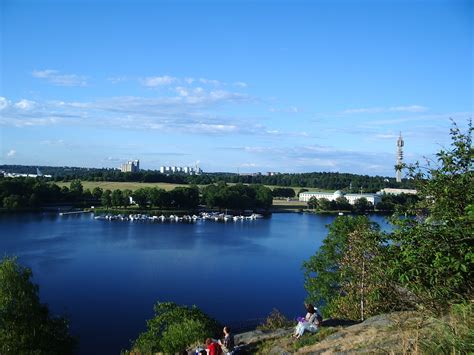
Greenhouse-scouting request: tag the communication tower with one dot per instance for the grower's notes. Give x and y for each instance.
(400, 144)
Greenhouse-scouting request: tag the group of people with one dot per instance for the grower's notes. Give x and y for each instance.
(310, 322)
(220, 347)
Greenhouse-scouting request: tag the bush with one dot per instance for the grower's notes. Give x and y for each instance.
(275, 320)
(174, 328)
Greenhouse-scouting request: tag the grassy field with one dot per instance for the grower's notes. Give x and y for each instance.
(112, 185)
(292, 205)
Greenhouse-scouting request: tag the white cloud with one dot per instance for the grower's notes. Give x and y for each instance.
(209, 81)
(410, 108)
(59, 142)
(4, 103)
(241, 84)
(363, 110)
(25, 104)
(292, 109)
(11, 153)
(117, 79)
(56, 78)
(154, 81)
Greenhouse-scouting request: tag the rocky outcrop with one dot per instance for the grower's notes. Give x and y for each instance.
(397, 332)
(387, 333)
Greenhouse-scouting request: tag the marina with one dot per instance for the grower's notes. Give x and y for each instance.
(203, 216)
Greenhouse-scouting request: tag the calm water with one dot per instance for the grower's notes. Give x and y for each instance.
(106, 276)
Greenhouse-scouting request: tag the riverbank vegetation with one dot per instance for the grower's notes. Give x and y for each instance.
(426, 263)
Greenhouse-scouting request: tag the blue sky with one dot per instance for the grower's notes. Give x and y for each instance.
(289, 86)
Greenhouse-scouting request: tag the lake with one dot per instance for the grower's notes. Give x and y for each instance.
(106, 275)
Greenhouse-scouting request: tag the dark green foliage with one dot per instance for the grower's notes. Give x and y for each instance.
(361, 205)
(237, 197)
(283, 192)
(24, 193)
(174, 328)
(76, 189)
(397, 203)
(434, 252)
(26, 327)
(117, 198)
(106, 198)
(326, 180)
(97, 193)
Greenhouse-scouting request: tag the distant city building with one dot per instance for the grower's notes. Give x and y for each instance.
(332, 196)
(400, 144)
(391, 191)
(17, 175)
(132, 166)
(188, 170)
(272, 173)
(250, 174)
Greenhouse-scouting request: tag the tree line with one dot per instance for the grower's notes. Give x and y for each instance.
(350, 183)
(30, 193)
(323, 180)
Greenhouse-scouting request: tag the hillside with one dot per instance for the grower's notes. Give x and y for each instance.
(399, 332)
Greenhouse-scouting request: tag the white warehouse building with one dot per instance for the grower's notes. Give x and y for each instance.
(332, 196)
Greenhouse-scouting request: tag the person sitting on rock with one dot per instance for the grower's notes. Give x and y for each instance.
(228, 342)
(213, 348)
(310, 322)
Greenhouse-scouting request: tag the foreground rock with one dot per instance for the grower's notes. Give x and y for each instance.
(398, 332)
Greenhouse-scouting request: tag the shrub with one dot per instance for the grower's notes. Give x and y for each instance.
(275, 320)
(174, 328)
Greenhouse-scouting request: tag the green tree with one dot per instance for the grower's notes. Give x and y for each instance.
(141, 197)
(324, 204)
(174, 328)
(365, 289)
(342, 203)
(323, 277)
(97, 192)
(362, 205)
(76, 189)
(313, 203)
(26, 326)
(117, 198)
(434, 252)
(106, 198)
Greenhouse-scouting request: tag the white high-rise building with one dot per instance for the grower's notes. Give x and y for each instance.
(130, 166)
